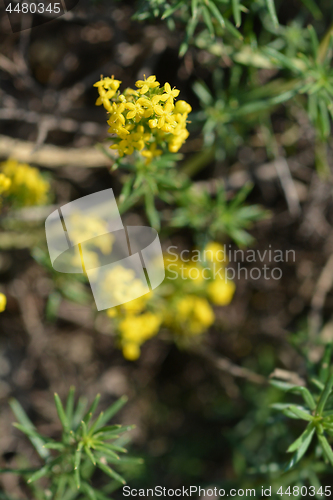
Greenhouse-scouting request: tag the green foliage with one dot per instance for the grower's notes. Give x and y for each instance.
(218, 17)
(216, 217)
(69, 286)
(317, 412)
(301, 63)
(158, 179)
(86, 444)
(314, 77)
(228, 115)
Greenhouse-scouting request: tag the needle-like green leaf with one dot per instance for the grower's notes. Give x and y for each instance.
(300, 413)
(271, 9)
(326, 447)
(236, 12)
(309, 431)
(24, 420)
(324, 395)
(92, 409)
(299, 452)
(70, 404)
(216, 13)
(110, 472)
(61, 413)
(39, 474)
(112, 410)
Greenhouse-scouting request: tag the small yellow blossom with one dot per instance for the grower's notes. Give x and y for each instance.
(117, 114)
(146, 84)
(165, 114)
(107, 88)
(3, 302)
(104, 98)
(168, 93)
(108, 83)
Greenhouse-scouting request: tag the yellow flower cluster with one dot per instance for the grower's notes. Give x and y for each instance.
(147, 119)
(3, 302)
(182, 303)
(24, 184)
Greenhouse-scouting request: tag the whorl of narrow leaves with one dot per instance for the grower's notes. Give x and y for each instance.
(316, 411)
(87, 443)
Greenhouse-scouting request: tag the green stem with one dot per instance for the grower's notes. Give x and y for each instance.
(198, 161)
(123, 206)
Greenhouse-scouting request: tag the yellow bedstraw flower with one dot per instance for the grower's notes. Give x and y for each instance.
(27, 185)
(146, 84)
(169, 94)
(165, 116)
(147, 121)
(107, 88)
(3, 302)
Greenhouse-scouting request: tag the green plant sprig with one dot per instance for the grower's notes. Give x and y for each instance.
(218, 17)
(316, 411)
(86, 444)
(217, 217)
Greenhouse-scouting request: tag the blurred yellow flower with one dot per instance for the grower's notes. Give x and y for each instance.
(135, 330)
(3, 302)
(214, 252)
(123, 284)
(131, 351)
(193, 315)
(112, 312)
(221, 291)
(27, 186)
(5, 183)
